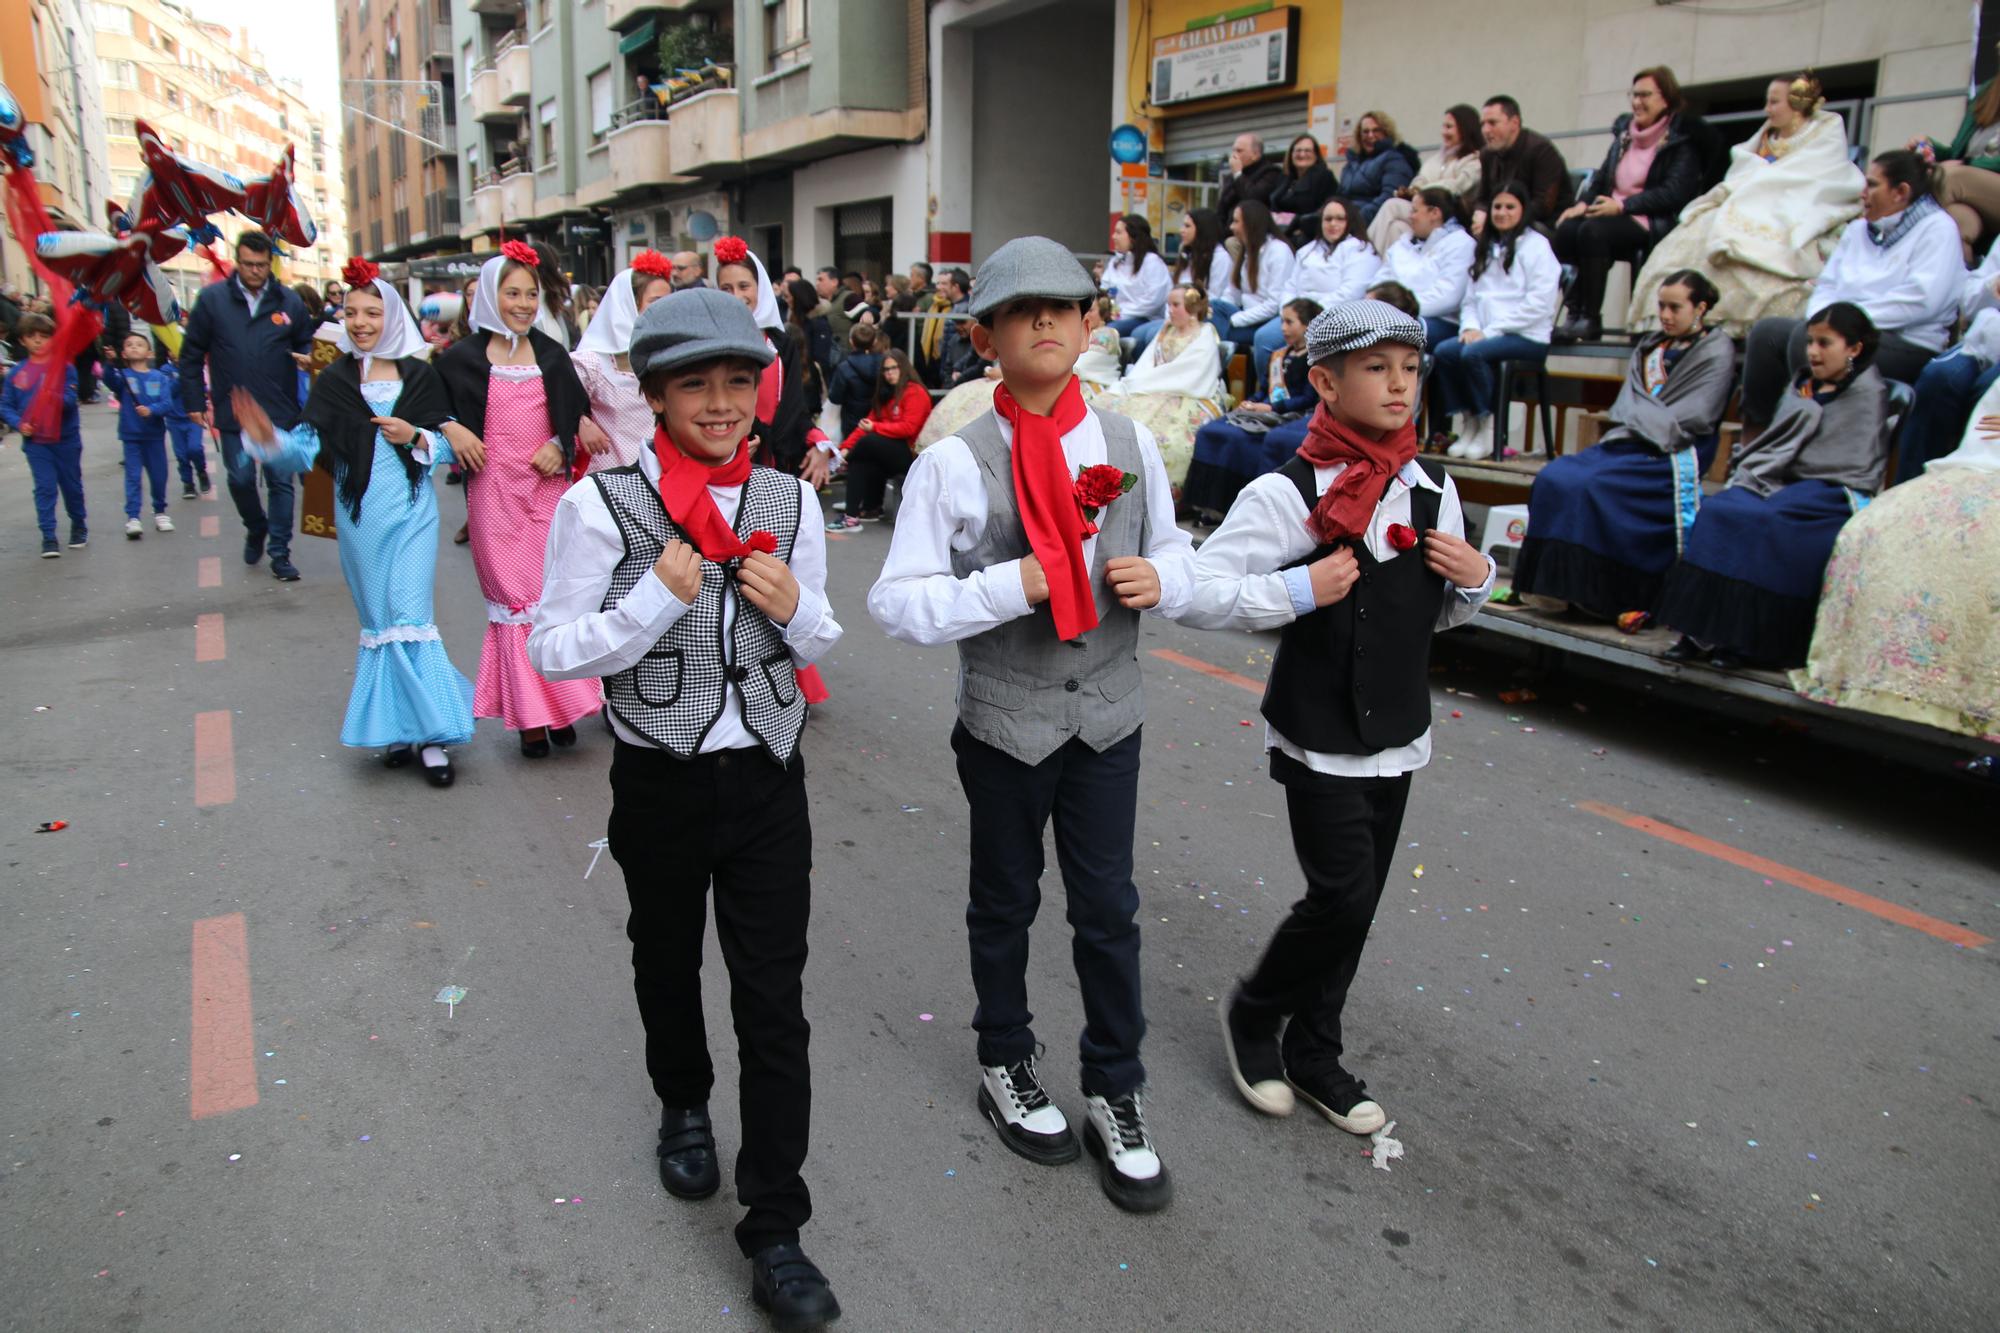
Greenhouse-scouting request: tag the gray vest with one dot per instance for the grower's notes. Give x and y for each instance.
(674, 694)
(1020, 688)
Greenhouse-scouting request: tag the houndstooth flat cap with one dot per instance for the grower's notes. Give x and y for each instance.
(1353, 326)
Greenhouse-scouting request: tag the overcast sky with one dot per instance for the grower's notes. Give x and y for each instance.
(298, 38)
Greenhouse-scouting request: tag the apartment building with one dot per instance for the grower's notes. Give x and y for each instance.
(399, 128)
(46, 60)
(208, 93)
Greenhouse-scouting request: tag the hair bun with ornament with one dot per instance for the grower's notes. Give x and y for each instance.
(731, 250)
(521, 253)
(359, 272)
(653, 264)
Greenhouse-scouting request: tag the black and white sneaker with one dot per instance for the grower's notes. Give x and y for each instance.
(1129, 1168)
(1011, 1096)
(1340, 1097)
(1255, 1064)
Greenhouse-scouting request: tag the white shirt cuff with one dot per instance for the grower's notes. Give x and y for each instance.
(1010, 598)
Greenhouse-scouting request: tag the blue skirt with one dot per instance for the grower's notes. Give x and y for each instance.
(1227, 458)
(1750, 580)
(1606, 524)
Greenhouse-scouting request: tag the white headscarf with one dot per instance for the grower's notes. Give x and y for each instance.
(610, 330)
(766, 312)
(486, 303)
(400, 335)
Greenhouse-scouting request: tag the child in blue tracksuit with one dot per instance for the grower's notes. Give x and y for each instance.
(57, 464)
(143, 395)
(187, 437)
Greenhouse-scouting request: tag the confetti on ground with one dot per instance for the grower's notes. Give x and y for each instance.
(1386, 1149)
(913, 809)
(236, 1157)
(1417, 873)
(925, 1018)
(53, 826)
(451, 997)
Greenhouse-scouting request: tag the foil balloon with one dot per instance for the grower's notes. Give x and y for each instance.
(441, 307)
(106, 269)
(274, 205)
(14, 133)
(178, 191)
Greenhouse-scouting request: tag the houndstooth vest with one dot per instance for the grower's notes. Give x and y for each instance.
(1020, 688)
(675, 693)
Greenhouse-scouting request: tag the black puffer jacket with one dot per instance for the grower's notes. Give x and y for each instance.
(1672, 182)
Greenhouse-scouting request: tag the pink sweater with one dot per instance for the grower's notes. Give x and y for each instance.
(1641, 147)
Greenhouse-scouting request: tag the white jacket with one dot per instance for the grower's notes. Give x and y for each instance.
(1257, 304)
(1520, 300)
(1344, 273)
(1912, 288)
(1436, 269)
(1140, 295)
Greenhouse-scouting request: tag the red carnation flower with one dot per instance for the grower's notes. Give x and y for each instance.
(1402, 536)
(521, 253)
(653, 264)
(731, 250)
(359, 272)
(761, 540)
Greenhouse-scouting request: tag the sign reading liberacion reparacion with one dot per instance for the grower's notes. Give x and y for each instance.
(1227, 56)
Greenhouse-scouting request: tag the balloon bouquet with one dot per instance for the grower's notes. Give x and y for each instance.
(87, 271)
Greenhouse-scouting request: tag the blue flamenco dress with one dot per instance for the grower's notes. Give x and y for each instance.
(406, 691)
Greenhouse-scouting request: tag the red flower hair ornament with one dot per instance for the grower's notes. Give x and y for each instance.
(653, 264)
(731, 250)
(521, 253)
(359, 272)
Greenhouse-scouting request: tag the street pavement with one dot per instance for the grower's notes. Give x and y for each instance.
(1643, 1079)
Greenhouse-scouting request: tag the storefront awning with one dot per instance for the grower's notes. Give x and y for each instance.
(442, 267)
(640, 37)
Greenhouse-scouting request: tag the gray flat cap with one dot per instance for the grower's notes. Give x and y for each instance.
(1029, 266)
(695, 325)
(1352, 326)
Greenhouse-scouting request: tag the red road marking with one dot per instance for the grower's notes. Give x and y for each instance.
(1825, 888)
(211, 525)
(208, 641)
(1207, 669)
(214, 760)
(208, 571)
(222, 1073)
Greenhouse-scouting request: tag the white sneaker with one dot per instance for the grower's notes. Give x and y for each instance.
(1480, 444)
(133, 529)
(1129, 1167)
(161, 523)
(1012, 1097)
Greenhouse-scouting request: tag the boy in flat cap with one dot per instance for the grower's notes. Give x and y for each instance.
(1033, 539)
(694, 584)
(1357, 550)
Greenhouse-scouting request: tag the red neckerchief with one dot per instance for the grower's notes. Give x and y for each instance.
(1345, 507)
(1045, 493)
(684, 483)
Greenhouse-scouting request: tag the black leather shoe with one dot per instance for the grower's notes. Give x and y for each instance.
(1582, 329)
(564, 736)
(1684, 650)
(687, 1154)
(253, 548)
(535, 749)
(439, 775)
(789, 1288)
(398, 755)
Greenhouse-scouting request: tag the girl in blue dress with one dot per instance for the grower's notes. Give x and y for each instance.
(372, 423)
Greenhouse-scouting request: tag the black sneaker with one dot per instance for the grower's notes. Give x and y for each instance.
(687, 1154)
(253, 547)
(283, 570)
(789, 1288)
(51, 551)
(1012, 1097)
(1341, 1098)
(1129, 1168)
(188, 491)
(1255, 1064)
(78, 538)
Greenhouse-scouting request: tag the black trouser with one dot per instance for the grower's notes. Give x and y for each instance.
(86, 372)
(1345, 832)
(1593, 245)
(1094, 800)
(1775, 353)
(871, 463)
(735, 819)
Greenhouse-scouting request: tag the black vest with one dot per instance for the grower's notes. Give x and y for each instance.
(1354, 677)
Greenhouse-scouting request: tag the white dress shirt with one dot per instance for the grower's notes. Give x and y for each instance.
(1912, 288)
(573, 638)
(1521, 300)
(1343, 272)
(1256, 304)
(1140, 295)
(1436, 269)
(919, 600)
(1240, 583)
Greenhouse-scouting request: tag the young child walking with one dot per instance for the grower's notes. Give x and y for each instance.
(1033, 538)
(146, 400)
(694, 585)
(1358, 552)
(55, 457)
(188, 440)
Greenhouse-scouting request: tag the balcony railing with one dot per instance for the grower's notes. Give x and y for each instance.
(447, 147)
(441, 212)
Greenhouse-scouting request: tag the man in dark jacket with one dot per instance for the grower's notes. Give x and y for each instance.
(853, 382)
(249, 333)
(1515, 154)
(1250, 176)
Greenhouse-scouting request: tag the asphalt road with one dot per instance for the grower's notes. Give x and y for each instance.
(1639, 1084)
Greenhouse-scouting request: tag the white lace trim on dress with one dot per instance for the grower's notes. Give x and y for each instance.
(399, 634)
(499, 614)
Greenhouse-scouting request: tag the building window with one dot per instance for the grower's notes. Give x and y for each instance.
(545, 139)
(120, 127)
(785, 36)
(111, 18)
(600, 105)
(117, 73)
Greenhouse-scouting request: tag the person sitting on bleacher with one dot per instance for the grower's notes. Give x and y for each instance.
(1605, 524)
(1899, 262)
(1337, 265)
(1953, 381)
(1434, 261)
(1747, 585)
(1244, 444)
(1650, 172)
(1175, 386)
(1509, 315)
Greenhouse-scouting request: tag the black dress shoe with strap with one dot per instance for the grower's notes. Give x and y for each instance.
(687, 1154)
(789, 1288)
